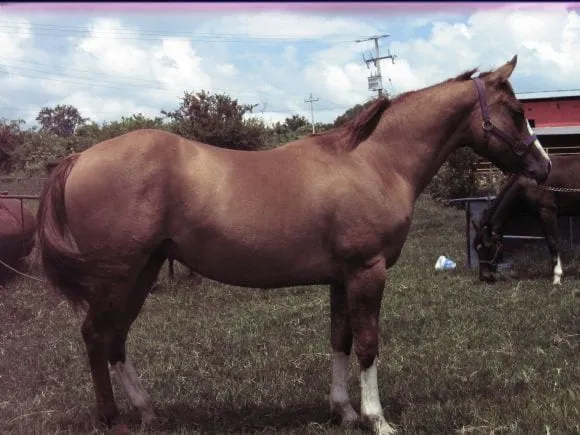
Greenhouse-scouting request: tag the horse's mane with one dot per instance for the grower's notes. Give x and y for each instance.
(362, 126)
(359, 128)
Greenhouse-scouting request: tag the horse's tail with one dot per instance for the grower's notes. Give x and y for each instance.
(73, 273)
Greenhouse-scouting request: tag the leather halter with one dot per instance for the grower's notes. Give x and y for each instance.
(493, 261)
(518, 146)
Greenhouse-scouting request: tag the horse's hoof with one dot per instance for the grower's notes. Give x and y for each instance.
(148, 418)
(344, 415)
(378, 425)
(349, 420)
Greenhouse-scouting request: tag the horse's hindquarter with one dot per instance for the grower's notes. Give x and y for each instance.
(118, 192)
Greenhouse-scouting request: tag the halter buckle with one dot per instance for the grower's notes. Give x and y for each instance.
(520, 147)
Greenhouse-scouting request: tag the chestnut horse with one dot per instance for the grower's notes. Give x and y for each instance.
(559, 196)
(333, 208)
(17, 237)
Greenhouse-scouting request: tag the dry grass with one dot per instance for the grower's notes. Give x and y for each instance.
(457, 356)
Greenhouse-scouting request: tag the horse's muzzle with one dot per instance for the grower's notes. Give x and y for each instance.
(488, 277)
(547, 172)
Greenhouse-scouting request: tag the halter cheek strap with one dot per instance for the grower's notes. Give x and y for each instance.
(518, 146)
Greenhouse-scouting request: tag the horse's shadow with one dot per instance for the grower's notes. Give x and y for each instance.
(221, 419)
(188, 418)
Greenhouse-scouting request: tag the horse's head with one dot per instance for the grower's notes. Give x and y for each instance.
(488, 246)
(500, 129)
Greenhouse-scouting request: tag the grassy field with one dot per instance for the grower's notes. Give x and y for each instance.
(457, 356)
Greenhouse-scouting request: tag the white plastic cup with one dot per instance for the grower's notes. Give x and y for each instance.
(444, 263)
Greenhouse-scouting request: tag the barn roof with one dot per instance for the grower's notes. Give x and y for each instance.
(548, 95)
(567, 129)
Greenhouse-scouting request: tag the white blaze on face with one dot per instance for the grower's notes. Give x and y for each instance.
(537, 143)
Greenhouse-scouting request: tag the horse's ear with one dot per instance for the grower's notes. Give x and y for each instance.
(503, 73)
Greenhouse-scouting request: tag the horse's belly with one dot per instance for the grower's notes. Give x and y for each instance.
(258, 262)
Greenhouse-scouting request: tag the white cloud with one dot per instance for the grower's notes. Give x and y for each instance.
(154, 73)
(177, 66)
(114, 54)
(286, 25)
(95, 107)
(546, 42)
(403, 77)
(13, 36)
(126, 70)
(226, 69)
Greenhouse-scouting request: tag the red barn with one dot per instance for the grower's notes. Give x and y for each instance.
(555, 118)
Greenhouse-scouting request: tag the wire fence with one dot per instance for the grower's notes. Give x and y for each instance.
(30, 186)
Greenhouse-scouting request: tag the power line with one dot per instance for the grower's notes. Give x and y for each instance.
(312, 100)
(376, 81)
(147, 35)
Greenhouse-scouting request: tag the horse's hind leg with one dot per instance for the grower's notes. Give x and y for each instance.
(549, 224)
(341, 341)
(127, 374)
(97, 334)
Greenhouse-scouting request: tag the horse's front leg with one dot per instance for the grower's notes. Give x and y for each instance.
(341, 341)
(364, 287)
(549, 223)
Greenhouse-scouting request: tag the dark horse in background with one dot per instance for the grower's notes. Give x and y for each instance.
(17, 237)
(333, 208)
(522, 195)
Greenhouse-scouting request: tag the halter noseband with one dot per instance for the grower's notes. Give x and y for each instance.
(493, 261)
(519, 147)
(498, 246)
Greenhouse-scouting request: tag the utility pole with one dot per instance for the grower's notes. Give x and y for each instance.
(311, 100)
(376, 81)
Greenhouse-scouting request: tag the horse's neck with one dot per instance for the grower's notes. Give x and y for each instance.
(502, 205)
(416, 136)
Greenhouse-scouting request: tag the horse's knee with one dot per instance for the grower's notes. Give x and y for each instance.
(366, 348)
(117, 349)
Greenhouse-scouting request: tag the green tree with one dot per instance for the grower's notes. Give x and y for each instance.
(12, 137)
(118, 128)
(295, 122)
(62, 120)
(217, 120)
(455, 178)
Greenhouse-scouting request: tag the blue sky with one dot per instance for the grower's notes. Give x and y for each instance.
(115, 63)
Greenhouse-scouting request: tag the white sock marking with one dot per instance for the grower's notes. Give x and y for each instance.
(134, 390)
(370, 407)
(339, 399)
(558, 271)
(370, 401)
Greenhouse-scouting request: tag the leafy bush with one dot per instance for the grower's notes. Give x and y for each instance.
(455, 178)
